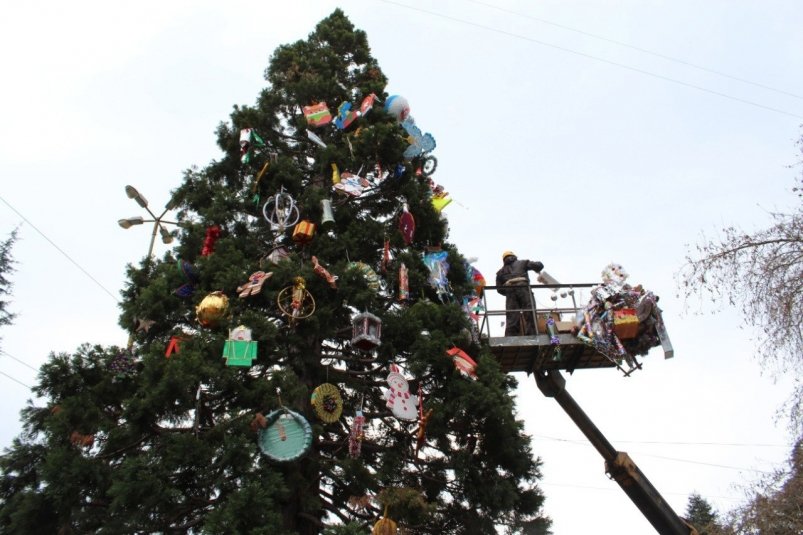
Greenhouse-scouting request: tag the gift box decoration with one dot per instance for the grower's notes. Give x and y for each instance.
(304, 231)
(625, 323)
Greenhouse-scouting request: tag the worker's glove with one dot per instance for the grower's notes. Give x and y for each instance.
(538, 267)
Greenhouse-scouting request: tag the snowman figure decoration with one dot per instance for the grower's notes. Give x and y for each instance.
(400, 401)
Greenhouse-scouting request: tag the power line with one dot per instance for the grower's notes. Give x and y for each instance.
(15, 380)
(639, 49)
(596, 58)
(18, 360)
(59, 249)
(670, 443)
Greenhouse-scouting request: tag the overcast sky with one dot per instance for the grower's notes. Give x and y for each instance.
(554, 139)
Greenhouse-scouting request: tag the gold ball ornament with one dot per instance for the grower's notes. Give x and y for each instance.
(212, 309)
(384, 526)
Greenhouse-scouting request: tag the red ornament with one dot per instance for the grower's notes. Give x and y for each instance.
(407, 225)
(212, 234)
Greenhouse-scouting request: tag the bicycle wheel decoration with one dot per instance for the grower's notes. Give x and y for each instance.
(295, 301)
(327, 402)
(286, 437)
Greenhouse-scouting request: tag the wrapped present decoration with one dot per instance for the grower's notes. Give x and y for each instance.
(239, 349)
(625, 323)
(304, 231)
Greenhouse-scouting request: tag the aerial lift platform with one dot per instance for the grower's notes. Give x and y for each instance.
(539, 355)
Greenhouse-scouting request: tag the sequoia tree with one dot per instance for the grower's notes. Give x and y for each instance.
(304, 360)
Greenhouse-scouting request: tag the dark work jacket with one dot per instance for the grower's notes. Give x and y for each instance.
(516, 269)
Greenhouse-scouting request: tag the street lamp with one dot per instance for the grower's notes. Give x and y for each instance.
(132, 193)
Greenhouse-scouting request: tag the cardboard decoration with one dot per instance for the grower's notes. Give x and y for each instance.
(420, 143)
(239, 349)
(463, 363)
(345, 116)
(399, 400)
(356, 435)
(367, 103)
(327, 402)
(407, 225)
(366, 331)
(254, 284)
(286, 437)
(249, 140)
(304, 231)
(317, 114)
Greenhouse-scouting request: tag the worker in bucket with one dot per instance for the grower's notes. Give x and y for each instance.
(512, 282)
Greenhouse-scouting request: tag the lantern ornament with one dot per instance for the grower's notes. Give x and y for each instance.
(366, 331)
(239, 349)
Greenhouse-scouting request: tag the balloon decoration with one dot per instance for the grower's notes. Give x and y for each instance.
(398, 107)
(212, 309)
(327, 402)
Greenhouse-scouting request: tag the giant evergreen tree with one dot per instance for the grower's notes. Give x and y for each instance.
(132, 441)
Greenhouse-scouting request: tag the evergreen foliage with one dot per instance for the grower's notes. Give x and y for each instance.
(6, 269)
(131, 441)
(701, 515)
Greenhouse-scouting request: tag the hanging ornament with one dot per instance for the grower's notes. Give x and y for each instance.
(404, 284)
(463, 363)
(277, 254)
(335, 174)
(423, 420)
(383, 266)
(295, 301)
(428, 165)
(439, 202)
(212, 309)
(122, 365)
(327, 402)
(367, 104)
(143, 325)
(239, 349)
(249, 140)
(356, 435)
(81, 440)
(407, 224)
(385, 526)
(321, 271)
(351, 184)
(190, 274)
(475, 277)
(254, 284)
(345, 116)
(371, 278)
(366, 331)
(327, 216)
(317, 114)
(398, 107)
(286, 437)
(377, 176)
(174, 345)
(315, 139)
(303, 231)
(280, 211)
(212, 235)
(399, 399)
(438, 266)
(420, 143)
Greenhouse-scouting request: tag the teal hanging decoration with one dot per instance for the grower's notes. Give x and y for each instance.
(286, 437)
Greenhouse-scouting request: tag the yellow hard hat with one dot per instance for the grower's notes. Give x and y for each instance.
(508, 253)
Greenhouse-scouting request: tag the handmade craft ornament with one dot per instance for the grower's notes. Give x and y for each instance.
(277, 254)
(475, 277)
(366, 332)
(249, 139)
(438, 265)
(315, 139)
(212, 309)
(240, 349)
(385, 526)
(463, 363)
(554, 339)
(259, 422)
(327, 215)
(440, 202)
(304, 231)
(321, 271)
(383, 266)
(397, 106)
(174, 345)
(345, 116)
(190, 274)
(407, 225)
(377, 176)
(371, 278)
(81, 440)
(122, 365)
(143, 325)
(614, 274)
(625, 323)
(398, 397)
(367, 104)
(295, 301)
(420, 143)
(327, 402)
(421, 434)
(317, 114)
(212, 235)
(404, 283)
(280, 211)
(351, 184)
(254, 284)
(335, 174)
(286, 437)
(356, 435)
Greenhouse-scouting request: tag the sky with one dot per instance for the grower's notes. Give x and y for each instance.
(577, 133)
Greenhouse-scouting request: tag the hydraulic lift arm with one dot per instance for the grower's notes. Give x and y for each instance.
(618, 464)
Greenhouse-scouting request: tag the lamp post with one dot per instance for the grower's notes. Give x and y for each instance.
(132, 193)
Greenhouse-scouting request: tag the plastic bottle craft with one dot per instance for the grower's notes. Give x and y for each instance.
(280, 211)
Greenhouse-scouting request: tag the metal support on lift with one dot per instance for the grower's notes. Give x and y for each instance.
(618, 464)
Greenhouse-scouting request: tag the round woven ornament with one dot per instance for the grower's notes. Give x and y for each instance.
(286, 437)
(327, 402)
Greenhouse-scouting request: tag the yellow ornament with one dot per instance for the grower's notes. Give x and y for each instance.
(327, 402)
(384, 526)
(212, 309)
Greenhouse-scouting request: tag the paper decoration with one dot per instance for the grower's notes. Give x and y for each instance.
(438, 265)
(398, 107)
(315, 139)
(474, 276)
(254, 284)
(345, 116)
(327, 402)
(249, 139)
(625, 323)
(239, 349)
(441, 202)
(277, 254)
(317, 114)
(174, 345)
(371, 278)
(398, 397)
(419, 143)
(351, 184)
(190, 274)
(407, 225)
(212, 235)
(212, 309)
(366, 331)
(404, 284)
(304, 231)
(356, 435)
(463, 363)
(286, 437)
(143, 324)
(321, 271)
(367, 104)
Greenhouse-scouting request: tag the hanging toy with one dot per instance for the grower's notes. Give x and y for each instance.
(367, 104)
(286, 437)
(351, 184)
(327, 402)
(398, 107)
(399, 399)
(212, 309)
(239, 349)
(317, 114)
(190, 274)
(249, 139)
(463, 363)
(404, 283)
(371, 278)
(321, 271)
(356, 435)
(345, 116)
(280, 211)
(295, 301)
(420, 143)
(407, 224)
(366, 331)
(254, 284)
(212, 235)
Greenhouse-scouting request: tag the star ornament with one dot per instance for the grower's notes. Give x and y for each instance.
(143, 324)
